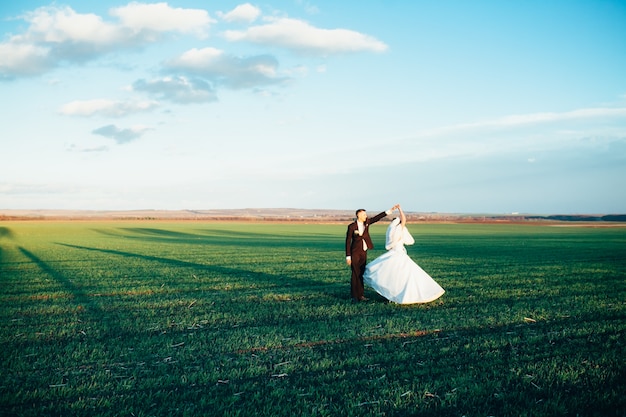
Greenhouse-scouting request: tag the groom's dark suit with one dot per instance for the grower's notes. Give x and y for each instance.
(355, 249)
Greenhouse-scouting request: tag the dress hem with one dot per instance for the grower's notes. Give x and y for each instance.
(419, 302)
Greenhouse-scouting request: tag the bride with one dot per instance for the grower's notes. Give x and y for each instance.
(394, 275)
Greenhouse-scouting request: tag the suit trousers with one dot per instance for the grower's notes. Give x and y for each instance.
(359, 259)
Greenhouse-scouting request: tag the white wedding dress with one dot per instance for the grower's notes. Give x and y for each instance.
(395, 276)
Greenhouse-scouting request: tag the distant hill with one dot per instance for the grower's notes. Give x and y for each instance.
(290, 215)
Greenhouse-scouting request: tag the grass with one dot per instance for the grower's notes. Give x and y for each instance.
(190, 318)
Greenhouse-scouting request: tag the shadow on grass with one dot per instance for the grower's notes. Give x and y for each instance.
(5, 232)
(241, 275)
(79, 296)
(227, 238)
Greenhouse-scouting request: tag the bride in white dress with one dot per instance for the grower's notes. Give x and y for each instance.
(395, 276)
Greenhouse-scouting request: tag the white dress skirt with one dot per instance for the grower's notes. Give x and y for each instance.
(395, 276)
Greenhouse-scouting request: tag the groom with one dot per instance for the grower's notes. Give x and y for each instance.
(358, 241)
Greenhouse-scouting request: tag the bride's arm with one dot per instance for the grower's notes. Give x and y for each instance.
(407, 239)
(402, 217)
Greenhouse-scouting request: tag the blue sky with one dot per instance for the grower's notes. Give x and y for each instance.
(442, 106)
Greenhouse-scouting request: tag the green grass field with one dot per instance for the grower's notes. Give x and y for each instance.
(179, 319)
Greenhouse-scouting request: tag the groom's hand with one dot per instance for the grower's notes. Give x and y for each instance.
(349, 260)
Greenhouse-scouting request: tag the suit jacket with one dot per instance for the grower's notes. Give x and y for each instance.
(353, 238)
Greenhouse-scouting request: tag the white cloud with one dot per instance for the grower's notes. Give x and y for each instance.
(299, 36)
(228, 70)
(177, 89)
(198, 58)
(18, 58)
(242, 13)
(59, 34)
(160, 17)
(104, 107)
(56, 25)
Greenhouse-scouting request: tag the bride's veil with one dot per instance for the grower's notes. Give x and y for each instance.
(392, 237)
(397, 235)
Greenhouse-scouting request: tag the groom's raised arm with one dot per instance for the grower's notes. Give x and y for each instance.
(382, 215)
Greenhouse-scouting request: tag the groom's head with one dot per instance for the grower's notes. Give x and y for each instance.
(361, 215)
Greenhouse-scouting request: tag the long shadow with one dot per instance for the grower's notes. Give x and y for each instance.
(220, 234)
(225, 238)
(241, 275)
(5, 233)
(79, 296)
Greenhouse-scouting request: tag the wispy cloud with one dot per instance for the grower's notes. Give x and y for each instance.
(308, 7)
(121, 136)
(107, 108)
(519, 120)
(301, 37)
(242, 13)
(94, 149)
(581, 130)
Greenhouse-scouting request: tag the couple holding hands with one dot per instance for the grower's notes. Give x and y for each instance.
(394, 275)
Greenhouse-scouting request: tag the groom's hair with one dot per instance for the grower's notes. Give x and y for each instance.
(358, 211)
